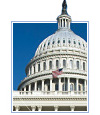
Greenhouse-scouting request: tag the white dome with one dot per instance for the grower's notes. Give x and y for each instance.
(61, 39)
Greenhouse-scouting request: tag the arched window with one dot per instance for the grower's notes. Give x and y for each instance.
(74, 42)
(38, 67)
(48, 43)
(71, 87)
(80, 87)
(71, 64)
(79, 43)
(77, 64)
(50, 64)
(53, 42)
(44, 45)
(69, 41)
(44, 65)
(64, 63)
(57, 64)
(58, 41)
(83, 65)
(63, 41)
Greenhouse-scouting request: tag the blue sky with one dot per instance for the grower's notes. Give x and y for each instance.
(27, 37)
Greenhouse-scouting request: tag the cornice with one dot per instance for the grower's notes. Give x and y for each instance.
(50, 99)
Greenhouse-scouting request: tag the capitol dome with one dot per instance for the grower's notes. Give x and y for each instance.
(68, 91)
(62, 39)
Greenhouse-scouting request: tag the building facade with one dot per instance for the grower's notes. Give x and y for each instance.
(39, 91)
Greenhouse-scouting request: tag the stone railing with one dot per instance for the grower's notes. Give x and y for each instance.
(35, 93)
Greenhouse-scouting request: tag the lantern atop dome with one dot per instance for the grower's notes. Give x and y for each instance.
(64, 19)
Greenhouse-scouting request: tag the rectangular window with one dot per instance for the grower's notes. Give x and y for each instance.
(39, 67)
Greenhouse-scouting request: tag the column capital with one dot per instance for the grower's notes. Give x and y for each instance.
(42, 79)
(68, 77)
(51, 78)
(77, 78)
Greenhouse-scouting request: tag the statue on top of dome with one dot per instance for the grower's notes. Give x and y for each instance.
(64, 7)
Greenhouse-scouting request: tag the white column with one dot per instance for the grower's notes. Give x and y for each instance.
(60, 85)
(62, 22)
(77, 80)
(33, 108)
(29, 87)
(65, 23)
(17, 108)
(68, 85)
(42, 84)
(39, 108)
(72, 108)
(56, 108)
(35, 85)
(24, 88)
(50, 84)
(32, 69)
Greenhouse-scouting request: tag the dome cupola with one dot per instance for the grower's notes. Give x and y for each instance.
(64, 19)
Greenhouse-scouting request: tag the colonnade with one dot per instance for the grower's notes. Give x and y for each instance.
(59, 83)
(63, 22)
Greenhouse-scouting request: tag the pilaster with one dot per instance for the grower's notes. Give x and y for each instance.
(17, 108)
(39, 108)
(56, 108)
(72, 108)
